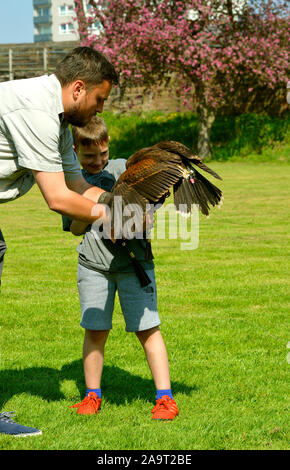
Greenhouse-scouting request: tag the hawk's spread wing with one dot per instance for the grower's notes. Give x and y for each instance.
(149, 177)
(185, 153)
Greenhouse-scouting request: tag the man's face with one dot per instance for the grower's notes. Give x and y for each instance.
(93, 156)
(87, 103)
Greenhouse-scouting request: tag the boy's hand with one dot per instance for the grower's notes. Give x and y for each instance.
(149, 220)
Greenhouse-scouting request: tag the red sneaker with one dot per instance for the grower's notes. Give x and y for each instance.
(165, 408)
(89, 406)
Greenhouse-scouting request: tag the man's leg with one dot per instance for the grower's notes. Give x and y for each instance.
(8, 426)
(3, 249)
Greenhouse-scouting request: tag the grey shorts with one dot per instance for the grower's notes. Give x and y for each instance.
(97, 293)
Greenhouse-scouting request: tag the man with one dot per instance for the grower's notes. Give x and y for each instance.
(2, 253)
(36, 144)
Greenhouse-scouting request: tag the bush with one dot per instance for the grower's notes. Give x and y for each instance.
(249, 136)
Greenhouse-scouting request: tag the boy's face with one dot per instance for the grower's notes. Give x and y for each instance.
(93, 156)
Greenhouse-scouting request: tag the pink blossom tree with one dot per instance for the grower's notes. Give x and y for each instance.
(222, 54)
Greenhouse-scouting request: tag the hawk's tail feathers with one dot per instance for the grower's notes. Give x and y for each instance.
(196, 189)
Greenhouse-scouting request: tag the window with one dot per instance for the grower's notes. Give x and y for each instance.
(43, 11)
(66, 28)
(89, 7)
(44, 29)
(95, 27)
(66, 10)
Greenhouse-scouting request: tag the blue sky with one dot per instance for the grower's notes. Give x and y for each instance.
(16, 23)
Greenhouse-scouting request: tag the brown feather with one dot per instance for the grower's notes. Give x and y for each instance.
(152, 171)
(186, 154)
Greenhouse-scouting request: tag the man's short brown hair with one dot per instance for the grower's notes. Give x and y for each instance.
(87, 64)
(96, 131)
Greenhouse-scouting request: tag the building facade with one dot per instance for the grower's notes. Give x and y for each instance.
(54, 20)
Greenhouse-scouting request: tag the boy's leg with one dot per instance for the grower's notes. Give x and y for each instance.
(156, 356)
(93, 357)
(139, 306)
(97, 294)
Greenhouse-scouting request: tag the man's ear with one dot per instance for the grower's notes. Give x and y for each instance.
(78, 88)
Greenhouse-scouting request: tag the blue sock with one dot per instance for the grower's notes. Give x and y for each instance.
(161, 393)
(96, 390)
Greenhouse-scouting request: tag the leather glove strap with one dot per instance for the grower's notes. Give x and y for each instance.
(105, 198)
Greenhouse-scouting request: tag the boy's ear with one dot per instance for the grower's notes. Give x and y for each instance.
(109, 137)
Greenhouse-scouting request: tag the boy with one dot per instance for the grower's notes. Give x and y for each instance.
(105, 267)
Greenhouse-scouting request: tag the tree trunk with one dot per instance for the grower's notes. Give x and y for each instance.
(206, 117)
(81, 19)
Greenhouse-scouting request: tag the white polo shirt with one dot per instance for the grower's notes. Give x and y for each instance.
(33, 135)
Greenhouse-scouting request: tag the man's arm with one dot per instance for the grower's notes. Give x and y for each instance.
(81, 186)
(60, 198)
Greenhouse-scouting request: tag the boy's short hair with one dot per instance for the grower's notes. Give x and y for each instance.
(96, 130)
(87, 64)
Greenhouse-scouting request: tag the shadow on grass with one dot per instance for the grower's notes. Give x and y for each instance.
(118, 386)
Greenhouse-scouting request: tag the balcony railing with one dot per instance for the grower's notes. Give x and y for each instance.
(42, 37)
(44, 19)
(40, 3)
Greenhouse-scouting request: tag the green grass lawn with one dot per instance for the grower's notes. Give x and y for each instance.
(224, 310)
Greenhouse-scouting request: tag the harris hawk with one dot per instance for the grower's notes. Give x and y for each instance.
(150, 173)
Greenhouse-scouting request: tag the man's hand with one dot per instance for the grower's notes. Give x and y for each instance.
(78, 228)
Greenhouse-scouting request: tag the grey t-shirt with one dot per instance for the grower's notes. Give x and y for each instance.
(33, 134)
(102, 254)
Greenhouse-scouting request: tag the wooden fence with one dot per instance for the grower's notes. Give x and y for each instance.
(30, 60)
